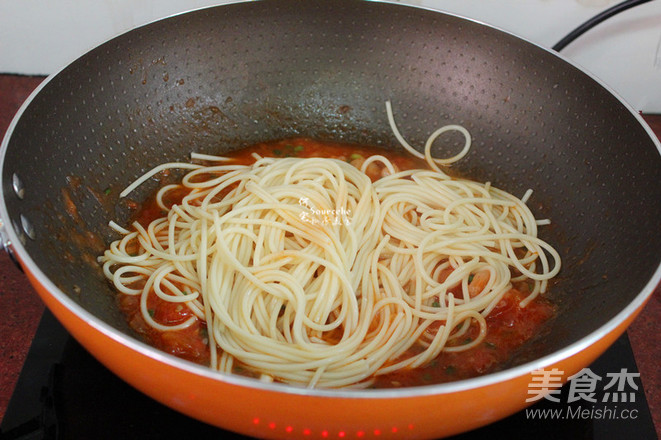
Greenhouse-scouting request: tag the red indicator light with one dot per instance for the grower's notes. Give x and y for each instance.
(289, 428)
(341, 434)
(272, 425)
(324, 434)
(360, 434)
(411, 426)
(394, 429)
(377, 432)
(306, 431)
(255, 421)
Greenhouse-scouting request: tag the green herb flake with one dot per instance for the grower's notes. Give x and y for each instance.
(288, 150)
(436, 304)
(450, 369)
(490, 345)
(470, 277)
(107, 191)
(151, 312)
(355, 156)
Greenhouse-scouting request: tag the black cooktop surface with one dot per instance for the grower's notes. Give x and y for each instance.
(64, 393)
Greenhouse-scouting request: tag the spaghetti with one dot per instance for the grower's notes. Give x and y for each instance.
(307, 271)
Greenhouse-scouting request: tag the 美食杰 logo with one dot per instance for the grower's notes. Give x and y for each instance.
(588, 395)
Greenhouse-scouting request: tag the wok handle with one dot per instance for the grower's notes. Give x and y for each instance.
(6, 245)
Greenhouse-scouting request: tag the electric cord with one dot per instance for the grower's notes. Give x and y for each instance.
(592, 22)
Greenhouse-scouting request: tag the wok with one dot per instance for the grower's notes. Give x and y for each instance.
(216, 79)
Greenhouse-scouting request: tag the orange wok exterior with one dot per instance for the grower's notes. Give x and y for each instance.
(261, 412)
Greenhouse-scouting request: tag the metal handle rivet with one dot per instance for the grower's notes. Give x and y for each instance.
(27, 227)
(17, 184)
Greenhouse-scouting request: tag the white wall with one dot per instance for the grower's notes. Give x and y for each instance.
(40, 37)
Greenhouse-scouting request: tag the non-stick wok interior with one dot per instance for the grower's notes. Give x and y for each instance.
(225, 77)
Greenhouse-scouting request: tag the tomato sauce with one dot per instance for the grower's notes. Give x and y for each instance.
(509, 325)
(191, 343)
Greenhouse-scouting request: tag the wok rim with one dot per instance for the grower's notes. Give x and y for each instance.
(15, 245)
